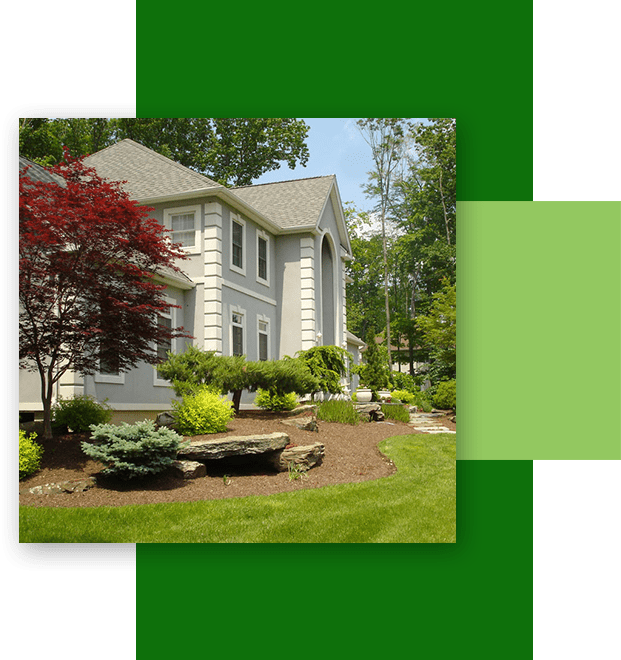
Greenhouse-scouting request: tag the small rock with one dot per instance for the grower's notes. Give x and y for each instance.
(304, 456)
(165, 419)
(303, 423)
(189, 469)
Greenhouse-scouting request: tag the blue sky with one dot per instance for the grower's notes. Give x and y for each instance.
(336, 147)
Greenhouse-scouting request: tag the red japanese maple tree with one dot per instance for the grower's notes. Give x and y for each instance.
(87, 258)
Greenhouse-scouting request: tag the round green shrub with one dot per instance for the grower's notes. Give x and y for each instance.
(30, 454)
(201, 413)
(404, 396)
(446, 395)
(132, 450)
(80, 413)
(272, 401)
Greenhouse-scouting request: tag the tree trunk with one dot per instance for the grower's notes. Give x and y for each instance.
(386, 293)
(47, 389)
(237, 400)
(448, 236)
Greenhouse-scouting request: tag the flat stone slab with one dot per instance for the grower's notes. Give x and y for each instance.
(74, 486)
(242, 445)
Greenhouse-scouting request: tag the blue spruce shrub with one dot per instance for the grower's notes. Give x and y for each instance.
(132, 450)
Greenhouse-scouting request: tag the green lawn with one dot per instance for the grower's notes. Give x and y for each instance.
(415, 505)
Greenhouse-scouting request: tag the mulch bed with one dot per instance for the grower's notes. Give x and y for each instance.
(351, 455)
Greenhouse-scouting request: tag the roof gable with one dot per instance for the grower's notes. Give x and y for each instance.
(37, 173)
(149, 175)
(289, 204)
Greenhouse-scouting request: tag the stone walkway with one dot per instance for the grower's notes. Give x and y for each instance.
(426, 423)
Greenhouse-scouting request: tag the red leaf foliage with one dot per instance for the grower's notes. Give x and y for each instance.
(87, 256)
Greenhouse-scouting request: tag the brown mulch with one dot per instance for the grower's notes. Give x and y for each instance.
(351, 455)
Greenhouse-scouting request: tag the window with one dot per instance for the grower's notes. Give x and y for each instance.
(184, 223)
(109, 367)
(262, 258)
(237, 333)
(109, 362)
(182, 226)
(166, 320)
(165, 345)
(263, 339)
(237, 245)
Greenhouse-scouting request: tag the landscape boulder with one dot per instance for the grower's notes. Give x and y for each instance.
(305, 457)
(372, 412)
(165, 419)
(214, 448)
(189, 469)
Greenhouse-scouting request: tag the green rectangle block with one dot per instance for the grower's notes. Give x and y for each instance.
(539, 360)
(473, 597)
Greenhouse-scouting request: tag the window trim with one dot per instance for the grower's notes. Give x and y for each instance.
(183, 210)
(172, 315)
(240, 221)
(263, 319)
(235, 309)
(113, 379)
(263, 236)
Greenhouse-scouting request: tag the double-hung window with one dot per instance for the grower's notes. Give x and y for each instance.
(164, 346)
(264, 333)
(184, 224)
(237, 332)
(262, 258)
(238, 257)
(109, 363)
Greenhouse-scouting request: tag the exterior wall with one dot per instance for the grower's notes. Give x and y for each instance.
(290, 300)
(336, 318)
(295, 293)
(137, 389)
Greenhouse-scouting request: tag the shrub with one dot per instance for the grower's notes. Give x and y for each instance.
(80, 413)
(404, 396)
(328, 364)
(201, 413)
(30, 454)
(398, 413)
(339, 411)
(446, 395)
(273, 401)
(132, 450)
(423, 401)
(404, 381)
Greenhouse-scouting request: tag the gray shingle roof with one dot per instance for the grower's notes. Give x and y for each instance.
(38, 173)
(289, 204)
(149, 175)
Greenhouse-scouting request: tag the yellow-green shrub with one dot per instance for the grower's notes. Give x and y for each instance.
(30, 454)
(273, 401)
(201, 413)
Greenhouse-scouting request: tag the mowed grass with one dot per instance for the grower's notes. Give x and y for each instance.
(415, 505)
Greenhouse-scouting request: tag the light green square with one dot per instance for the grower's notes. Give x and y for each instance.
(539, 332)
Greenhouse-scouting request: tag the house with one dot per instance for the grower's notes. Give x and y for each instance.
(265, 274)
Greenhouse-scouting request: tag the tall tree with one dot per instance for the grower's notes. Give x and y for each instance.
(87, 259)
(386, 139)
(232, 151)
(427, 215)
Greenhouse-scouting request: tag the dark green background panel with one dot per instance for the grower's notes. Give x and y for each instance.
(469, 60)
(430, 601)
